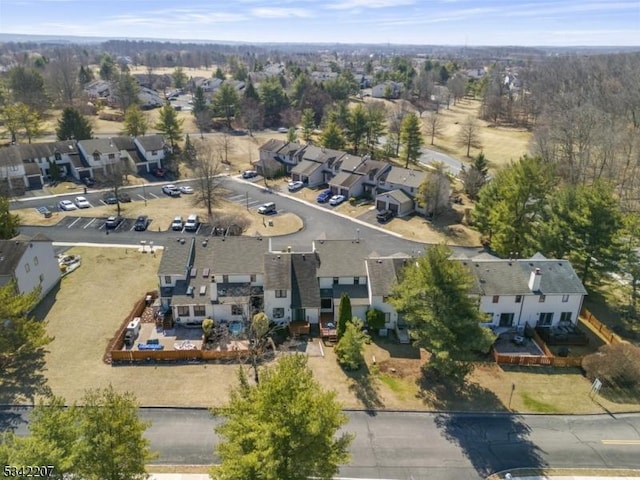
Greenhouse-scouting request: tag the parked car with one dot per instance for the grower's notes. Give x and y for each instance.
(113, 222)
(124, 197)
(384, 216)
(171, 190)
(192, 223)
(186, 189)
(324, 196)
(249, 174)
(67, 205)
(295, 185)
(337, 199)
(109, 198)
(142, 222)
(283, 130)
(88, 181)
(177, 223)
(267, 208)
(82, 202)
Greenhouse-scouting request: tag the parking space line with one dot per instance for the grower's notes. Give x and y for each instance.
(153, 195)
(74, 222)
(90, 222)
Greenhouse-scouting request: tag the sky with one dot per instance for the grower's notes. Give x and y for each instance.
(422, 22)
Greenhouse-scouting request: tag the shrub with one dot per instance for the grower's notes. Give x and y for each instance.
(349, 348)
(617, 364)
(375, 319)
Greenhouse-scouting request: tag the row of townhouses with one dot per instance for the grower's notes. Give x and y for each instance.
(393, 188)
(232, 278)
(28, 166)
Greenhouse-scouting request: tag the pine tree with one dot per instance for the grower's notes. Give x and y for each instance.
(308, 124)
(135, 122)
(410, 139)
(73, 126)
(332, 136)
(170, 125)
(344, 314)
(349, 348)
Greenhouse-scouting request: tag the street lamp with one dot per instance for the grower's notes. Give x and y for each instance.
(144, 194)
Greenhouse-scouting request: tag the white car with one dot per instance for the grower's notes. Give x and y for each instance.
(177, 223)
(67, 205)
(82, 202)
(337, 199)
(186, 189)
(294, 186)
(171, 190)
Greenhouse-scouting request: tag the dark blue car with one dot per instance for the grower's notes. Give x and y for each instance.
(323, 197)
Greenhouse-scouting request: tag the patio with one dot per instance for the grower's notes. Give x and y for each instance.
(514, 343)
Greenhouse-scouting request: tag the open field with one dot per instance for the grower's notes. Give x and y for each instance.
(94, 300)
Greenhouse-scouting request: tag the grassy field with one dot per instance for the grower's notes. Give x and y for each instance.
(94, 300)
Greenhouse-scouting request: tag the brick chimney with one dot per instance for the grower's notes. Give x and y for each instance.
(534, 280)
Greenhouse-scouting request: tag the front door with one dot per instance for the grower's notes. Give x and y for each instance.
(298, 315)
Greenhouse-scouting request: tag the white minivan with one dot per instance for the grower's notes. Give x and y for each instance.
(192, 223)
(267, 208)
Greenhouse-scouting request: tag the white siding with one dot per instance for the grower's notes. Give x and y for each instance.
(45, 274)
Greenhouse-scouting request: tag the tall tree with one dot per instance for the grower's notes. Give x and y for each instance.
(344, 314)
(584, 223)
(225, 102)
(201, 111)
(108, 69)
(434, 191)
(27, 86)
(376, 113)
(332, 136)
(274, 100)
(112, 444)
(73, 126)
(469, 135)
(179, 78)
(135, 121)
(251, 114)
(630, 257)
(9, 222)
(283, 428)
(475, 176)
(62, 73)
(208, 165)
(434, 296)
(308, 124)
(127, 90)
(357, 127)
(434, 125)
(22, 343)
(410, 139)
(21, 116)
(169, 124)
(510, 206)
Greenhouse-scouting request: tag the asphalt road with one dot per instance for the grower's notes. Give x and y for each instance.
(429, 156)
(401, 445)
(320, 221)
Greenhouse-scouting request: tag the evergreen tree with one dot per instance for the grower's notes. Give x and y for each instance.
(135, 121)
(201, 111)
(434, 297)
(9, 222)
(274, 99)
(27, 86)
(108, 69)
(179, 78)
(283, 428)
(344, 314)
(73, 126)
(332, 136)
(250, 92)
(349, 348)
(127, 90)
(308, 124)
(170, 125)
(219, 74)
(225, 102)
(357, 127)
(85, 75)
(410, 139)
(434, 191)
(475, 176)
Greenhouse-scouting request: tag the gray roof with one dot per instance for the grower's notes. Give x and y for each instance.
(384, 273)
(272, 145)
(151, 142)
(321, 154)
(306, 167)
(277, 271)
(11, 251)
(404, 176)
(15, 154)
(398, 195)
(101, 145)
(511, 277)
(346, 179)
(237, 255)
(341, 258)
(305, 291)
(176, 257)
(358, 294)
(124, 143)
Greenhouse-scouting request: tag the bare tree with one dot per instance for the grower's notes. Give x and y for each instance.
(62, 75)
(208, 166)
(434, 125)
(116, 177)
(434, 192)
(469, 135)
(225, 144)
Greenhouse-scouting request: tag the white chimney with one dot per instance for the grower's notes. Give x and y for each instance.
(534, 280)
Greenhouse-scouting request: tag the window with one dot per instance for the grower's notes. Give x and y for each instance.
(57, 156)
(96, 157)
(546, 319)
(278, 313)
(496, 298)
(542, 298)
(281, 294)
(253, 278)
(167, 279)
(35, 260)
(198, 311)
(565, 298)
(27, 267)
(183, 311)
(565, 317)
(111, 156)
(236, 310)
(335, 280)
(41, 278)
(325, 303)
(518, 298)
(225, 278)
(356, 280)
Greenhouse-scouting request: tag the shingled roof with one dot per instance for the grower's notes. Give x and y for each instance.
(341, 258)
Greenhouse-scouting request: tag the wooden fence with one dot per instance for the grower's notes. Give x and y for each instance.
(525, 360)
(597, 327)
(176, 355)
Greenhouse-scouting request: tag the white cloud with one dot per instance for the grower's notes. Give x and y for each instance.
(360, 4)
(278, 12)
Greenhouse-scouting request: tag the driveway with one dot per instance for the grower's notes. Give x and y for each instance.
(428, 156)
